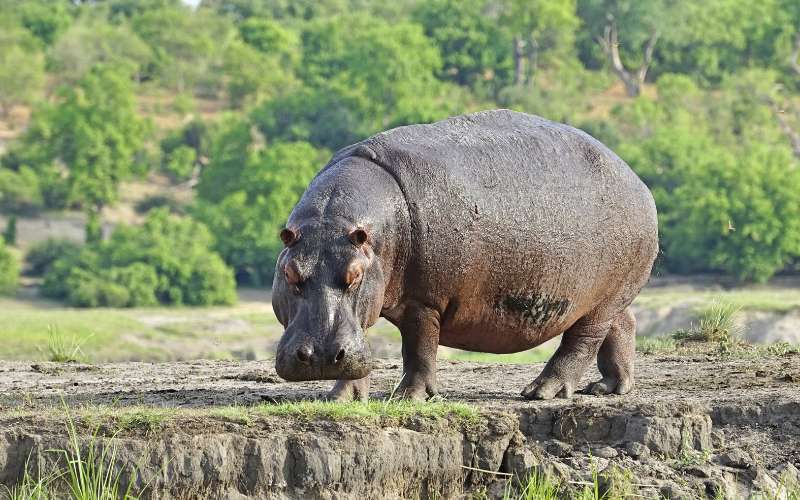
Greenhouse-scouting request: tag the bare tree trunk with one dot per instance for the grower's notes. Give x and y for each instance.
(788, 131)
(533, 59)
(780, 115)
(519, 54)
(633, 81)
(794, 60)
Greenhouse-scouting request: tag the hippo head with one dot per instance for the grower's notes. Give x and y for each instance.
(328, 289)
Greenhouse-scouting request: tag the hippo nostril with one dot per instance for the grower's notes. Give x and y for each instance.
(304, 354)
(339, 356)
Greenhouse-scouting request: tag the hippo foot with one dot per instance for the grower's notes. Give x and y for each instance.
(610, 385)
(350, 390)
(548, 387)
(415, 390)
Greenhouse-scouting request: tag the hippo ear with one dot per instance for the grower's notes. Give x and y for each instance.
(358, 236)
(288, 236)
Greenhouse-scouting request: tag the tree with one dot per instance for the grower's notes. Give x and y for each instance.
(627, 32)
(90, 42)
(88, 141)
(9, 270)
(725, 194)
(187, 45)
(539, 28)
(45, 19)
(166, 260)
(474, 48)
(360, 75)
(246, 194)
(21, 68)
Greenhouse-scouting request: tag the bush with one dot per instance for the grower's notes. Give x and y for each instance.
(167, 260)
(152, 202)
(42, 255)
(19, 190)
(244, 199)
(9, 270)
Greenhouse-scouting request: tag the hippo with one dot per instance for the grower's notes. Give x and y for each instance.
(491, 232)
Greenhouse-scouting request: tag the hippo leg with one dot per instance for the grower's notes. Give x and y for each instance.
(615, 359)
(579, 347)
(350, 390)
(420, 331)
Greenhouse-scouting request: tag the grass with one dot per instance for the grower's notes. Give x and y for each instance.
(718, 322)
(535, 355)
(717, 331)
(151, 420)
(615, 483)
(655, 345)
(394, 410)
(148, 420)
(537, 486)
(36, 329)
(89, 472)
(60, 349)
(764, 298)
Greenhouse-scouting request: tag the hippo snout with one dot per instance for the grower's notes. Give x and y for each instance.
(306, 358)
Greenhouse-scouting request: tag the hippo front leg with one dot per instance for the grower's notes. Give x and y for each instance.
(578, 349)
(350, 390)
(420, 331)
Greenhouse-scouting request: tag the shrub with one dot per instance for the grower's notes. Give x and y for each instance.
(167, 260)
(42, 255)
(10, 234)
(144, 205)
(19, 190)
(9, 270)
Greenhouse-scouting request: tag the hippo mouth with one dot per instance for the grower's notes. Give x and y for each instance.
(301, 363)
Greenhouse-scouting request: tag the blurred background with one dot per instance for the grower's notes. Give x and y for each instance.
(150, 151)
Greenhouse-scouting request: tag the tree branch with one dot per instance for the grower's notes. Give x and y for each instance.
(785, 126)
(648, 56)
(609, 42)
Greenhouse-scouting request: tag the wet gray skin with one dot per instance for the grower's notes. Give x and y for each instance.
(491, 232)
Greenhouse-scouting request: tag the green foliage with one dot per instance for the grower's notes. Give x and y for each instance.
(475, 50)
(45, 19)
(361, 75)
(9, 270)
(726, 196)
(42, 255)
(186, 46)
(21, 67)
(19, 190)
(245, 197)
(715, 132)
(94, 131)
(10, 233)
(92, 41)
(167, 260)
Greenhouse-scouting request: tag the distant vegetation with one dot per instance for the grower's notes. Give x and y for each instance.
(242, 101)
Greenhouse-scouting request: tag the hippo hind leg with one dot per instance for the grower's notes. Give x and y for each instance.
(579, 347)
(615, 359)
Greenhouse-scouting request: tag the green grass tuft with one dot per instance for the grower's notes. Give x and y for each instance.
(396, 410)
(61, 349)
(537, 486)
(655, 345)
(90, 472)
(149, 420)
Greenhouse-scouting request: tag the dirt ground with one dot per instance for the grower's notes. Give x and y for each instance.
(695, 427)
